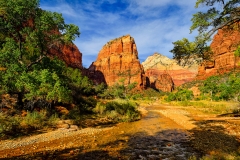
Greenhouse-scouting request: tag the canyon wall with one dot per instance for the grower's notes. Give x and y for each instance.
(69, 53)
(118, 60)
(223, 60)
(157, 64)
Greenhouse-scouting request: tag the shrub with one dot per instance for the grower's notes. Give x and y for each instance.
(100, 108)
(9, 125)
(180, 95)
(118, 110)
(74, 114)
(35, 120)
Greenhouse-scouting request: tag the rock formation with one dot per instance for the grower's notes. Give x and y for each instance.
(118, 60)
(223, 60)
(69, 53)
(158, 64)
(162, 82)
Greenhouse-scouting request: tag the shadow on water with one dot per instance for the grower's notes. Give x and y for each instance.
(172, 144)
(153, 137)
(210, 137)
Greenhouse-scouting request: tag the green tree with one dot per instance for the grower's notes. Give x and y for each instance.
(180, 95)
(219, 14)
(78, 83)
(27, 35)
(119, 90)
(210, 87)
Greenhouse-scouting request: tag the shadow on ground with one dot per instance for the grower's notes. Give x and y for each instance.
(208, 138)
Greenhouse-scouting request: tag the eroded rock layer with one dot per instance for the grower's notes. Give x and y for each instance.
(223, 60)
(118, 60)
(158, 64)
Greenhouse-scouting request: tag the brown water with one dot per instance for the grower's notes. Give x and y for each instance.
(152, 137)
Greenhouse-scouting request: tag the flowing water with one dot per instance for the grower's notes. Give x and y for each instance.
(153, 137)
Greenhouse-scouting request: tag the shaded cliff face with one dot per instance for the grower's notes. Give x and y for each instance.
(158, 64)
(118, 60)
(69, 53)
(223, 60)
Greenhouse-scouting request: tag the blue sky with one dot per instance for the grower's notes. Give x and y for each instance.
(154, 24)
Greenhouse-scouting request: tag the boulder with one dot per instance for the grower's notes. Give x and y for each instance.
(162, 82)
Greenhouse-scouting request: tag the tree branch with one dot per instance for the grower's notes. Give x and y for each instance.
(35, 62)
(230, 22)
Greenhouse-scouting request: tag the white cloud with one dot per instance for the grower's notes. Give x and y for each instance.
(65, 9)
(152, 23)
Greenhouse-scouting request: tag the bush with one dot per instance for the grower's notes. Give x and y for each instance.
(34, 120)
(118, 111)
(180, 95)
(224, 87)
(86, 104)
(15, 125)
(100, 108)
(9, 125)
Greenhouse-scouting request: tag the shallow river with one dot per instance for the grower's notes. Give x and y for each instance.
(153, 137)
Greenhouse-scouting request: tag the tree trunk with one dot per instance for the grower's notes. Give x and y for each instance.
(20, 100)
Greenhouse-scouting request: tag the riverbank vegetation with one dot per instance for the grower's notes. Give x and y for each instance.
(37, 88)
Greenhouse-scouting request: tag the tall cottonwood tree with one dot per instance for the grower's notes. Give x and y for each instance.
(27, 35)
(219, 14)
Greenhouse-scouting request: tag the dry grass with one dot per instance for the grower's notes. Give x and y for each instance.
(209, 107)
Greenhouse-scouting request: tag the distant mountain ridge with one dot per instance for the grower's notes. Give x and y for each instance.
(159, 61)
(158, 64)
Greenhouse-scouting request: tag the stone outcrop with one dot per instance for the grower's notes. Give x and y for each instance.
(161, 82)
(118, 60)
(223, 60)
(157, 64)
(69, 53)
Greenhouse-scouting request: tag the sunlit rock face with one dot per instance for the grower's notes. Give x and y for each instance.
(161, 82)
(223, 60)
(157, 65)
(69, 53)
(118, 61)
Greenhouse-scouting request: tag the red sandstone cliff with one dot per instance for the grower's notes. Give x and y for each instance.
(118, 60)
(223, 60)
(69, 53)
(157, 65)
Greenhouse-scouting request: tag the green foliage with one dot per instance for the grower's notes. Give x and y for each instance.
(180, 95)
(119, 90)
(8, 124)
(45, 85)
(34, 120)
(210, 107)
(183, 49)
(220, 14)
(27, 34)
(237, 52)
(226, 87)
(100, 89)
(78, 83)
(17, 125)
(118, 110)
